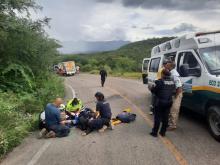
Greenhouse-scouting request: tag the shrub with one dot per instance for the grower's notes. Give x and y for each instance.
(94, 72)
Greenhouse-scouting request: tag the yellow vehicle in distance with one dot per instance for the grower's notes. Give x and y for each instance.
(67, 68)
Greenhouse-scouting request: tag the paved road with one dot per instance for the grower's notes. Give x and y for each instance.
(128, 144)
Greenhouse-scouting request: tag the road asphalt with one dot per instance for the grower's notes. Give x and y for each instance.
(127, 144)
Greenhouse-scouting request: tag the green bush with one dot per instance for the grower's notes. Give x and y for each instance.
(49, 87)
(19, 112)
(94, 72)
(27, 54)
(14, 123)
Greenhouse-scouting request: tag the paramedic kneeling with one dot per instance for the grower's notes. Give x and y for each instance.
(163, 90)
(103, 121)
(55, 126)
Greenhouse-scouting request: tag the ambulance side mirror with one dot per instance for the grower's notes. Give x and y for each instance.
(184, 70)
(195, 72)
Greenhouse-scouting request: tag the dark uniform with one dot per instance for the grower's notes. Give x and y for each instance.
(163, 91)
(104, 109)
(103, 75)
(105, 115)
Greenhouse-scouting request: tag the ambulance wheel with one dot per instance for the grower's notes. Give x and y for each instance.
(214, 122)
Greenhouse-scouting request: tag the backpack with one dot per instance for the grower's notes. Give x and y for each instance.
(84, 117)
(126, 117)
(86, 113)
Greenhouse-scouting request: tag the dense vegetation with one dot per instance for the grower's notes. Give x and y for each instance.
(126, 59)
(26, 82)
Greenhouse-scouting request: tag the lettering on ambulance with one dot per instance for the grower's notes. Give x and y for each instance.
(214, 83)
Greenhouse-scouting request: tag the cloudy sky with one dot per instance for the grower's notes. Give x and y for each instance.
(130, 20)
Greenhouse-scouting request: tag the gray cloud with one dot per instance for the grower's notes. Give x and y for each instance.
(148, 27)
(105, 1)
(174, 4)
(104, 20)
(134, 27)
(181, 28)
(185, 27)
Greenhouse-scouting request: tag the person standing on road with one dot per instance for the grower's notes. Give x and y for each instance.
(54, 124)
(166, 65)
(103, 75)
(77, 69)
(163, 90)
(175, 109)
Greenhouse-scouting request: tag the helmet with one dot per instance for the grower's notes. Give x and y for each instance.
(99, 95)
(62, 107)
(75, 101)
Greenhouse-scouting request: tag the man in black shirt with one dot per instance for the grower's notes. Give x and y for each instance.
(164, 90)
(104, 120)
(103, 75)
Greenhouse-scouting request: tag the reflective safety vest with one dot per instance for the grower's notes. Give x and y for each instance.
(74, 108)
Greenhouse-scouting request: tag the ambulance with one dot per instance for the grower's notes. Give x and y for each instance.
(197, 58)
(145, 64)
(67, 68)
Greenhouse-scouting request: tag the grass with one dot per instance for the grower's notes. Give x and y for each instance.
(20, 111)
(130, 75)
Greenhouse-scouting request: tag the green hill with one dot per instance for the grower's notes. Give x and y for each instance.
(126, 59)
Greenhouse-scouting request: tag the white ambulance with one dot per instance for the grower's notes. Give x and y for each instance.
(197, 58)
(145, 65)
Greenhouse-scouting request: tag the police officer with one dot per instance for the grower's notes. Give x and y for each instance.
(103, 75)
(166, 65)
(164, 89)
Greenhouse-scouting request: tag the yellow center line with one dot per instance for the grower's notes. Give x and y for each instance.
(167, 142)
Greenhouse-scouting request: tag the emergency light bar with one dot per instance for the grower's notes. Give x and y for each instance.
(205, 33)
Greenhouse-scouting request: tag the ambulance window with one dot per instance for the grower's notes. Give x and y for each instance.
(177, 43)
(156, 50)
(145, 65)
(190, 59)
(167, 46)
(180, 56)
(154, 65)
(170, 56)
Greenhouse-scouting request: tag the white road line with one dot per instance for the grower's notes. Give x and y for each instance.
(73, 91)
(37, 156)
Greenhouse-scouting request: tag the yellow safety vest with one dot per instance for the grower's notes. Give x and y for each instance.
(74, 108)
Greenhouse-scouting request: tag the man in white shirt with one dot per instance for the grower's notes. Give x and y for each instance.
(175, 109)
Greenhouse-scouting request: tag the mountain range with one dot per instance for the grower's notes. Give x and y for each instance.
(73, 47)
